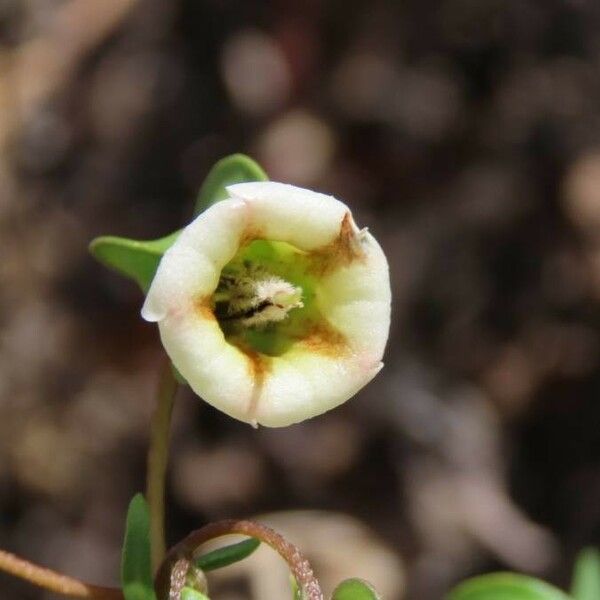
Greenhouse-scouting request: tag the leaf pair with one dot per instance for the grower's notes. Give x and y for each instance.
(136, 568)
(512, 586)
(139, 259)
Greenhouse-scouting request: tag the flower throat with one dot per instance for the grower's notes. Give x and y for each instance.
(255, 298)
(265, 300)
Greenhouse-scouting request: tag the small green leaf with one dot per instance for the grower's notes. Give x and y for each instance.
(222, 557)
(506, 586)
(237, 168)
(188, 593)
(355, 589)
(135, 259)
(136, 569)
(296, 592)
(586, 575)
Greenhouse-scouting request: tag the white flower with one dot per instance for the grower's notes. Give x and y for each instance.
(272, 304)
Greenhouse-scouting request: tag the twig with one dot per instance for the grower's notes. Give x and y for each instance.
(53, 581)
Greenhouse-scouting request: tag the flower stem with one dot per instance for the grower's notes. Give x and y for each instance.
(299, 565)
(53, 581)
(158, 454)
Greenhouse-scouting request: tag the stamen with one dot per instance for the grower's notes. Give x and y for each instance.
(256, 298)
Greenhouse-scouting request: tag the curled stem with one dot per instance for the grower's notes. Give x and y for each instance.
(299, 565)
(158, 456)
(53, 581)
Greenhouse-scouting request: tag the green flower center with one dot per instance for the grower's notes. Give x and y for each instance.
(265, 300)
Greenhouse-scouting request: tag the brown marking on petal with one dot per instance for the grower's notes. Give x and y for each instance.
(344, 250)
(250, 234)
(204, 308)
(324, 339)
(259, 366)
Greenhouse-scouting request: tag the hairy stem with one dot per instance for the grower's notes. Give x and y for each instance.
(158, 455)
(298, 564)
(53, 581)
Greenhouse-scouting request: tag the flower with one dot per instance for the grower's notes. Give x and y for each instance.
(272, 304)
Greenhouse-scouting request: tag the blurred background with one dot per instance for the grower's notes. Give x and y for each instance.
(465, 134)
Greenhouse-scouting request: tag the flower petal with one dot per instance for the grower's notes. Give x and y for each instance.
(303, 384)
(287, 213)
(214, 369)
(356, 300)
(191, 267)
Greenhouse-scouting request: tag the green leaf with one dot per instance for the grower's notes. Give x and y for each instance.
(237, 168)
(355, 589)
(135, 259)
(586, 575)
(227, 555)
(136, 569)
(139, 259)
(188, 593)
(505, 586)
